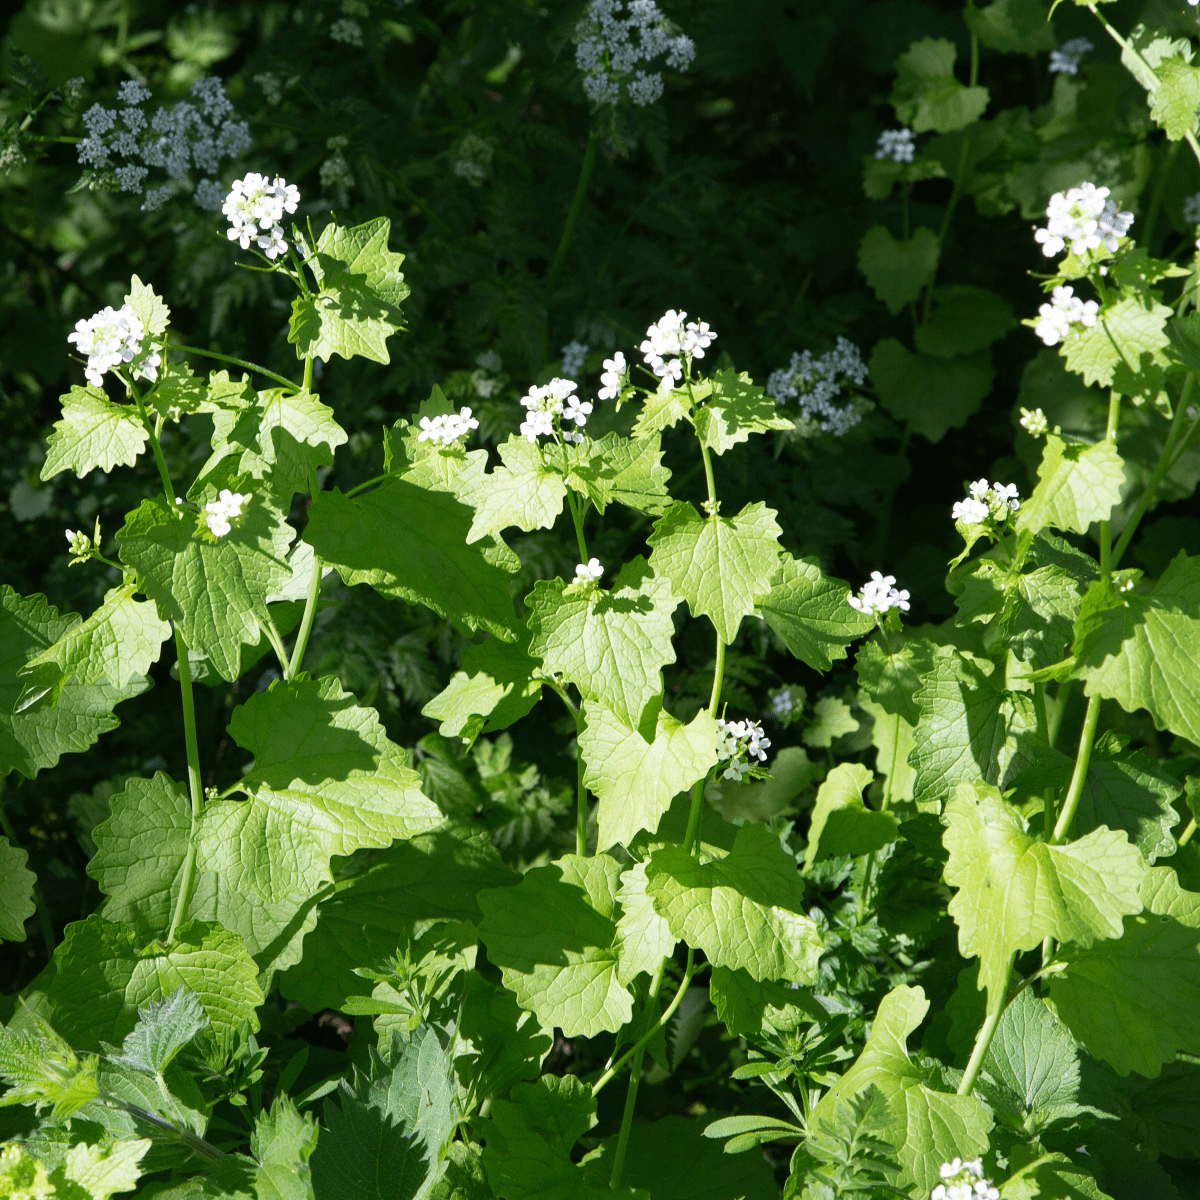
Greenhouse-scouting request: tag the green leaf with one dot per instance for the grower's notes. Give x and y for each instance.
(41, 1069)
(164, 1027)
(506, 1045)
(1077, 484)
(646, 938)
(102, 976)
(965, 319)
(662, 409)
(892, 678)
(841, 823)
(181, 392)
(1012, 26)
(464, 1177)
(283, 1142)
(1131, 1001)
(831, 719)
(360, 286)
(933, 395)
(326, 780)
(809, 610)
(410, 543)
(1049, 1177)
(1014, 891)
(1166, 1109)
(524, 492)
(927, 96)
(37, 737)
(635, 779)
(722, 566)
(1174, 102)
(93, 432)
(1145, 651)
(611, 644)
(929, 1127)
(16, 892)
(620, 470)
(496, 687)
(744, 910)
(117, 643)
(898, 270)
(148, 307)
(748, 1006)
(734, 411)
(101, 1171)
(1126, 332)
(554, 938)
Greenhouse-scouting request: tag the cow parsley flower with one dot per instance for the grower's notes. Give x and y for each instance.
(897, 145)
(447, 428)
(614, 378)
(614, 37)
(1083, 218)
(347, 31)
(1034, 423)
(549, 402)
(878, 595)
(589, 572)
(226, 508)
(964, 1181)
(815, 383)
(574, 355)
(783, 704)
(1066, 59)
(1064, 310)
(669, 338)
(110, 338)
(737, 743)
(255, 202)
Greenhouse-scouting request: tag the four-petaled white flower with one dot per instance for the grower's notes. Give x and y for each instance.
(783, 704)
(669, 338)
(970, 512)
(737, 743)
(551, 401)
(272, 244)
(447, 428)
(110, 338)
(589, 572)
(1034, 423)
(1066, 59)
(1064, 310)
(964, 1181)
(614, 377)
(878, 595)
(226, 508)
(896, 144)
(257, 203)
(994, 500)
(1083, 218)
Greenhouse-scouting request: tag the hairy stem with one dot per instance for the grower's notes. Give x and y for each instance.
(237, 362)
(1079, 775)
(568, 233)
(188, 877)
(310, 603)
(984, 1038)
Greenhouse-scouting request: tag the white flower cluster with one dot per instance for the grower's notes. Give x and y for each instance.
(816, 382)
(964, 1181)
(589, 572)
(552, 401)
(1083, 218)
(614, 377)
(227, 507)
(1191, 209)
(447, 428)
(1066, 59)
(877, 595)
(181, 139)
(668, 339)
(783, 703)
(80, 543)
(1034, 423)
(897, 145)
(112, 337)
(257, 203)
(574, 355)
(611, 45)
(738, 742)
(986, 500)
(347, 31)
(1064, 310)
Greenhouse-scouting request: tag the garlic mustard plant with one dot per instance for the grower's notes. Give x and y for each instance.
(224, 510)
(878, 595)
(112, 339)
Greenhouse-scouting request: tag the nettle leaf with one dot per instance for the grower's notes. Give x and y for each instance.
(16, 892)
(93, 432)
(40, 1068)
(526, 491)
(928, 1126)
(735, 410)
(117, 643)
(620, 470)
(841, 823)
(1127, 331)
(722, 566)
(360, 286)
(744, 910)
(809, 610)
(646, 938)
(410, 543)
(100, 1171)
(1145, 651)
(498, 685)
(326, 780)
(282, 438)
(103, 976)
(927, 95)
(164, 1027)
(215, 589)
(611, 644)
(37, 737)
(1077, 484)
(554, 938)
(1014, 891)
(283, 1142)
(1174, 102)
(635, 779)
(1013, 26)
(933, 395)
(965, 319)
(1132, 1001)
(898, 270)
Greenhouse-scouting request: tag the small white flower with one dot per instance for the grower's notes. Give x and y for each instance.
(1064, 310)
(589, 572)
(226, 508)
(272, 244)
(256, 203)
(1006, 493)
(610, 45)
(1083, 218)
(574, 355)
(896, 144)
(737, 743)
(964, 1181)
(970, 512)
(347, 31)
(614, 376)
(979, 489)
(546, 403)
(1066, 59)
(814, 383)
(783, 704)
(111, 338)
(1034, 423)
(447, 428)
(878, 595)
(79, 542)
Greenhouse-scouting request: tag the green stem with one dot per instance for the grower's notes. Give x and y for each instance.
(362, 487)
(869, 871)
(581, 800)
(568, 233)
(1110, 435)
(308, 374)
(163, 474)
(577, 518)
(1187, 835)
(237, 362)
(694, 814)
(276, 642)
(984, 1038)
(709, 479)
(1079, 775)
(188, 875)
(292, 668)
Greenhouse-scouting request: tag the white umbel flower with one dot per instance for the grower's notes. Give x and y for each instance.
(447, 428)
(815, 383)
(737, 743)
(878, 595)
(110, 338)
(1066, 59)
(964, 1181)
(257, 203)
(614, 38)
(1083, 218)
(1064, 310)
(226, 508)
(614, 377)
(589, 572)
(897, 145)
